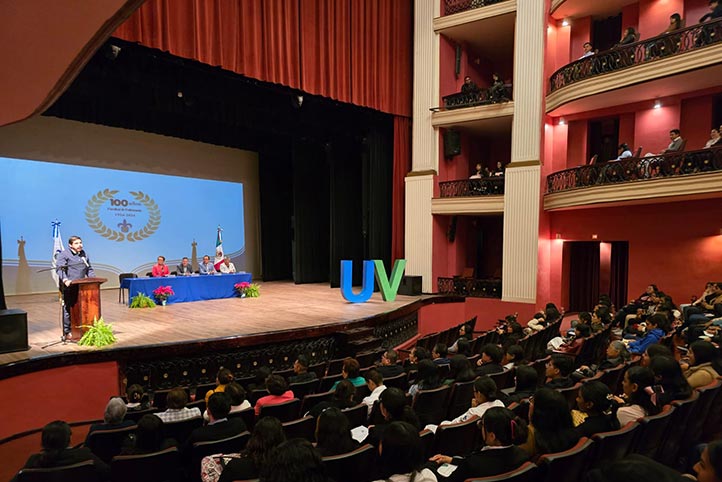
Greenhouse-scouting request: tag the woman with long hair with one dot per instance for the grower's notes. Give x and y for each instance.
(704, 364)
(459, 370)
(427, 378)
(640, 398)
(593, 400)
(400, 455)
(267, 435)
(333, 433)
(551, 428)
(294, 460)
(668, 374)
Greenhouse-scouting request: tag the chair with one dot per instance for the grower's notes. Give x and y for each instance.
(430, 405)
(567, 465)
(593, 160)
(361, 392)
(302, 389)
(106, 444)
(356, 415)
(521, 409)
(310, 401)
(136, 415)
(329, 381)
(651, 433)
(400, 381)
(289, 372)
(248, 416)
(319, 369)
(460, 399)
(540, 367)
(669, 452)
(149, 274)
(180, 431)
(335, 366)
(121, 277)
(526, 473)
(163, 466)
(612, 377)
(81, 472)
(638, 152)
(714, 417)
(301, 428)
(285, 411)
(228, 445)
(503, 379)
(254, 395)
(427, 443)
(695, 425)
(570, 394)
(457, 439)
(611, 446)
(353, 466)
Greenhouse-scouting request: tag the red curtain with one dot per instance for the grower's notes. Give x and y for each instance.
(357, 51)
(402, 165)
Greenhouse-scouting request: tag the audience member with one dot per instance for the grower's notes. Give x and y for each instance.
(601, 318)
(551, 428)
(459, 371)
(643, 301)
(594, 402)
(527, 380)
(510, 333)
(259, 380)
(537, 323)
(656, 325)
(497, 91)
(342, 398)
(267, 435)
(513, 356)
(333, 433)
(639, 397)
(148, 437)
(558, 371)
(501, 432)
(709, 467)
(464, 347)
(439, 353)
(552, 314)
(300, 368)
(55, 441)
(219, 426)
(490, 361)
(177, 411)
(465, 332)
(714, 138)
(351, 371)
(714, 13)
(278, 390)
(113, 417)
(417, 354)
(428, 377)
(635, 468)
(477, 172)
(223, 378)
(668, 375)
(184, 268)
(469, 86)
(573, 346)
(675, 23)
(629, 36)
(375, 382)
(676, 144)
(206, 267)
(389, 364)
(704, 364)
(160, 269)
(485, 397)
(294, 460)
(394, 408)
(136, 398)
(617, 354)
(238, 397)
(499, 169)
(588, 50)
(401, 456)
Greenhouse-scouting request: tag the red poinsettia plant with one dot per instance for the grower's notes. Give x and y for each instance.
(162, 293)
(246, 289)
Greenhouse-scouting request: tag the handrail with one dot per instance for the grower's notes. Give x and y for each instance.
(482, 96)
(676, 42)
(636, 169)
(472, 287)
(485, 186)
(455, 6)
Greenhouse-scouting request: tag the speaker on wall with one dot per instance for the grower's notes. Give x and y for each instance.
(13, 331)
(452, 143)
(410, 286)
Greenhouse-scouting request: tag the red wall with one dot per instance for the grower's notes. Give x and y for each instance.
(652, 127)
(654, 16)
(581, 32)
(696, 121)
(577, 154)
(630, 16)
(441, 316)
(694, 9)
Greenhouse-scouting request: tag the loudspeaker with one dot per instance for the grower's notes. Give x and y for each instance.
(410, 286)
(13, 331)
(452, 143)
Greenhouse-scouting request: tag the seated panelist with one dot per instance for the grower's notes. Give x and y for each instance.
(206, 267)
(160, 269)
(226, 266)
(184, 268)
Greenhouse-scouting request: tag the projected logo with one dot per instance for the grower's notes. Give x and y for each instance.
(119, 218)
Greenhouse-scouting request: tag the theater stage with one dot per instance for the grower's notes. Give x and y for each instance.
(282, 306)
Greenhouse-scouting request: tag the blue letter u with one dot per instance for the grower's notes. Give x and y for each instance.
(367, 289)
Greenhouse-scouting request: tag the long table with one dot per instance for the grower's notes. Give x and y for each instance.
(188, 288)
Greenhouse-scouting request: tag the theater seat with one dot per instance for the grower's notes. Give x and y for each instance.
(81, 472)
(106, 444)
(458, 439)
(611, 446)
(285, 412)
(300, 428)
(568, 465)
(526, 473)
(459, 399)
(121, 291)
(356, 415)
(354, 466)
(310, 401)
(430, 405)
(652, 433)
(180, 431)
(163, 466)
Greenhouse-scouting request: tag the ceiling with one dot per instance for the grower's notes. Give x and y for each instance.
(492, 38)
(485, 127)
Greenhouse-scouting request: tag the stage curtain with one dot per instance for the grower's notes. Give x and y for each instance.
(402, 165)
(3, 306)
(377, 186)
(583, 275)
(620, 273)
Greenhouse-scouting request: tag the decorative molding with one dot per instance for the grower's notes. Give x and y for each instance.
(419, 229)
(474, 14)
(459, 116)
(654, 189)
(468, 205)
(427, 172)
(515, 164)
(425, 139)
(555, 4)
(640, 74)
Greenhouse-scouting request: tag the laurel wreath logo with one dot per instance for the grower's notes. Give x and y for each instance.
(92, 216)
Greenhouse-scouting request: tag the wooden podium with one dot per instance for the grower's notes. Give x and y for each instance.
(86, 305)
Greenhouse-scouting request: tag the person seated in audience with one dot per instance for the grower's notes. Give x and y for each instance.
(572, 347)
(552, 314)
(375, 382)
(184, 268)
(223, 378)
(668, 375)
(177, 411)
(709, 467)
(226, 266)
(417, 354)
(206, 267)
(629, 36)
(465, 333)
(639, 396)
(593, 401)
(550, 424)
(490, 361)
(526, 382)
(238, 397)
(148, 438)
(676, 143)
(342, 398)
(714, 13)
(114, 417)
(477, 172)
(57, 452)
(259, 381)
(464, 347)
(643, 301)
(300, 368)
(558, 371)
(656, 329)
(278, 390)
(459, 371)
(160, 269)
(401, 456)
(439, 354)
(714, 138)
(675, 23)
(497, 91)
(501, 432)
(601, 318)
(428, 377)
(219, 425)
(537, 323)
(704, 364)
(136, 398)
(697, 313)
(499, 169)
(389, 366)
(469, 86)
(351, 371)
(583, 318)
(333, 433)
(513, 356)
(588, 50)
(267, 435)
(652, 352)
(485, 397)
(511, 332)
(635, 467)
(393, 407)
(617, 354)
(294, 460)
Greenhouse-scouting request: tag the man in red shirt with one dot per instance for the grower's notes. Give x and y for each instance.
(160, 269)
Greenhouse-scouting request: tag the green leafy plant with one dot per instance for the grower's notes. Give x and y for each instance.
(142, 301)
(246, 289)
(99, 334)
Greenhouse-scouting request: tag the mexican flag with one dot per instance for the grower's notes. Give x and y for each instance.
(57, 249)
(219, 250)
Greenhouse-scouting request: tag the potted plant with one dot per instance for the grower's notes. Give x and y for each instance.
(247, 290)
(162, 293)
(142, 300)
(98, 334)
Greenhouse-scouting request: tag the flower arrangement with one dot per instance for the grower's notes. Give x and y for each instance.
(162, 293)
(247, 290)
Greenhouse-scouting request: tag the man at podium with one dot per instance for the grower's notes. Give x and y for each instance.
(71, 264)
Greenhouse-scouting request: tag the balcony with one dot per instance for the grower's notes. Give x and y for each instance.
(476, 288)
(561, 9)
(691, 175)
(470, 196)
(480, 111)
(682, 61)
(457, 6)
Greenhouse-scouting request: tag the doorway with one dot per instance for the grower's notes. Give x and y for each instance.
(595, 268)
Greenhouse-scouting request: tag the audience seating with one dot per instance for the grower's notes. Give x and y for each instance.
(399, 381)
(310, 401)
(427, 443)
(459, 399)
(612, 377)
(106, 444)
(248, 416)
(526, 473)
(567, 465)
(457, 439)
(136, 415)
(163, 466)
(334, 367)
(302, 389)
(714, 418)
(570, 394)
(610, 446)
(356, 415)
(285, 411)
(361, 393)
(651, 433)
(328, 381)
(669, 451)
(521, 409)
(254, 395)
(346, 466)
(180, 431)
(81, 472)
(695, 424)
(503, 379)
(289, 372)
(540, 367)
(228, 445)
(430, 405)
(301, 428)
(368, 358)
(319, 369)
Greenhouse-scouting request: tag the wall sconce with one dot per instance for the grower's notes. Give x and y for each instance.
(562, 122)
(657, 104)
(594, 236)
(559, 235)
(565, 22)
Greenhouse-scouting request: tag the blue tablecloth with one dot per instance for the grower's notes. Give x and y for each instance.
(188, 288)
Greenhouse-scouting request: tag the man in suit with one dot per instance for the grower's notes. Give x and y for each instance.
(219, 425)
(206, 267)
(71, 264)
(185, 268)
(389, 364)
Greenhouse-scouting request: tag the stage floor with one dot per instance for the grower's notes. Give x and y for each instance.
(281, 306)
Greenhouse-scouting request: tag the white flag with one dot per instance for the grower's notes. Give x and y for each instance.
(57, 249)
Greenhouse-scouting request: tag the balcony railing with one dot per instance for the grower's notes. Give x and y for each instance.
(642, 52)
(476, 288)
(485, 186)
(481, 97)
(636, 169)
(456, 6)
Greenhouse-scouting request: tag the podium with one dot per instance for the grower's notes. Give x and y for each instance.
(85, 303)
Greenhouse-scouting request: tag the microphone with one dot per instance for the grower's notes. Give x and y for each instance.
(85, 260)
